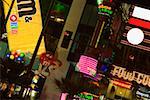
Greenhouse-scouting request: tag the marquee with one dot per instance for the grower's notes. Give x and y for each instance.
(131, 76)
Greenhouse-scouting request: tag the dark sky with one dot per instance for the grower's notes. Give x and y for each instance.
(142, 3)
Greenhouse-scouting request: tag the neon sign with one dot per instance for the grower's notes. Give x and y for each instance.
(86, 97)
(121, 84)
(104, 10)
(99, 2)
(138, 22)
(83, 96)
(87, 65)
(131, 76)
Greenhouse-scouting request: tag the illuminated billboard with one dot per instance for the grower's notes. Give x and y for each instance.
(141, 13)
(24, 25)
(123, 73)
(139, 18)
(87, 65)
(121, 84)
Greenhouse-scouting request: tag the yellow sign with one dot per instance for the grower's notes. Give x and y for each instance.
(24, 25)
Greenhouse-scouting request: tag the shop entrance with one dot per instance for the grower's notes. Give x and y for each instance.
(53, 34)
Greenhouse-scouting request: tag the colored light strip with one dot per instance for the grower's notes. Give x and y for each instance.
(124, 85)
(111, 0)
(104, 7)
(141, 13)
(138, 22)
(136, 46)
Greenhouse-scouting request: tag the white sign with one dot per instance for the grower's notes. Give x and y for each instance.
(141, 13)
(131, 76)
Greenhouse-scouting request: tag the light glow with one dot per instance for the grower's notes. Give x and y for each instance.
(33, 93)
(63, 96)
(35, 79)
(121, 84)
(87, 65)
(99, 2)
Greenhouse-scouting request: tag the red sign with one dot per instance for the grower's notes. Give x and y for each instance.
(13, 18)
(122, 84)
(138, 22)
(47, 59)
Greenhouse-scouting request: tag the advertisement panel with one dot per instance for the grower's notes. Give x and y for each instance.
(24, 25)
(87, 65)
(138, 77)
(139, 18)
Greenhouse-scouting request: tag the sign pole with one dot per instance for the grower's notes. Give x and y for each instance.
(40, 37)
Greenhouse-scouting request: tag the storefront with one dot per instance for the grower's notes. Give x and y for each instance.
(123, 84)
(119, 90)
(86, 68)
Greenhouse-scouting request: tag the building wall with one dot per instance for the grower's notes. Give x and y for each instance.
(84, 33)
(71, 25)
(50, 90)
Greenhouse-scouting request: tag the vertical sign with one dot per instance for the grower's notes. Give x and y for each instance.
(24, 25)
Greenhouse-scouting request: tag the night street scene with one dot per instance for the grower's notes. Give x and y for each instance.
(74, 49)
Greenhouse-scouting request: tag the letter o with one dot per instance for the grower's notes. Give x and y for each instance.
(125, 75)
(120, 73)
